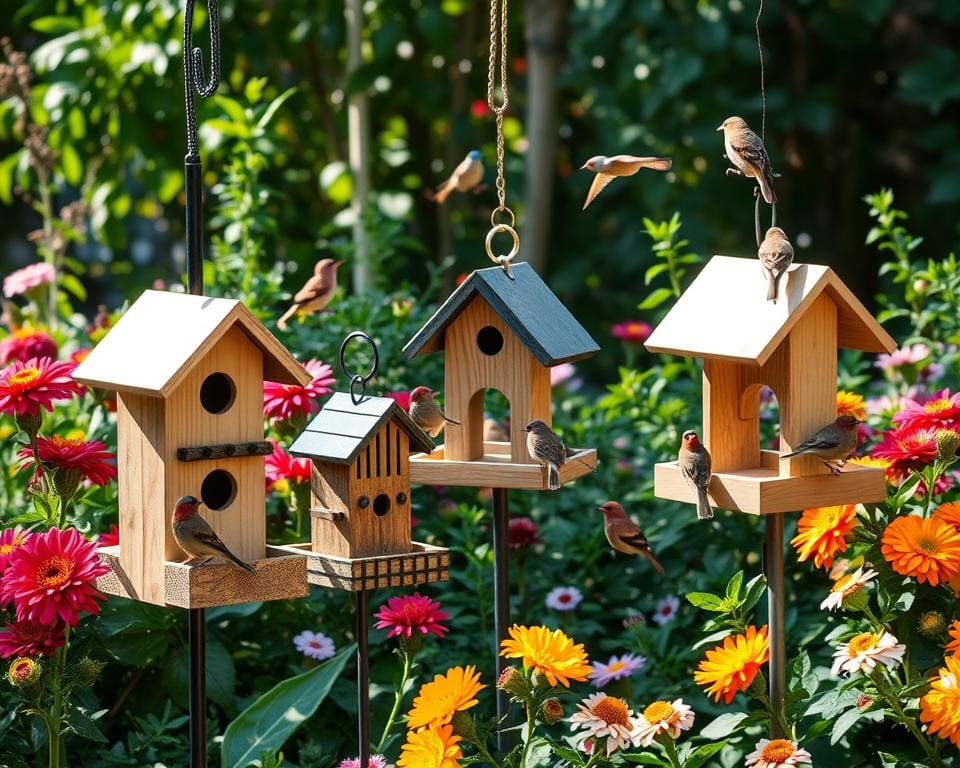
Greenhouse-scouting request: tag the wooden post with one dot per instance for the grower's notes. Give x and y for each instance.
(358, 147)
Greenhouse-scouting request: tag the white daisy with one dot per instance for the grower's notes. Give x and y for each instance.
(666, 609)
(315, 645)
(663, 716)
(617, 668)
(563, 598)
(846, 586)
(777, 754)
(603, 716)
(865, 651)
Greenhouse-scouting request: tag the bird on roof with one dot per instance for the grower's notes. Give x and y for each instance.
(465, 177)
(608, 168)
(776, 255)
(316, 292)
(746, 151)
(832, 444)
(426, 413)
(195, 536)
(695, 466)
(625, 535)
(547, 449)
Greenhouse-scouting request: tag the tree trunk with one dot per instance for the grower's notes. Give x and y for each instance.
(358, 143)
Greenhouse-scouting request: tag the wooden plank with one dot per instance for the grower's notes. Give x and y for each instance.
(495, 470)
(731, 432)
(224, 451)
(327, 514)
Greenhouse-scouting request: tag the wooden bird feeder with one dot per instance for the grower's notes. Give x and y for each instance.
(188, 372)
(360, 491)
(502, 332)
(791, 346)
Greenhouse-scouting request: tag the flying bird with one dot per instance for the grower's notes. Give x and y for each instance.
(316, 292)
(833, 444)
(465, 177)
(746, 151)
(776, 255)
(195, 536)
(625, 535)
(694, 461)
(608, 168)
(547, 449)
(426, 413)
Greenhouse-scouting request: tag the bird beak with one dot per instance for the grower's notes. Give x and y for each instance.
(600, 509)
(719, 127)
(585, 167)
(339, 263)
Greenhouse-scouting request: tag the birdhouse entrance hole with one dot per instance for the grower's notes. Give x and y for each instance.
(489, 340)
(217, 393)
(381, 505)
(218, 490)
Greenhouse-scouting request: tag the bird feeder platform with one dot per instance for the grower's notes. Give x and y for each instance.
(212, 584)
(495, 469)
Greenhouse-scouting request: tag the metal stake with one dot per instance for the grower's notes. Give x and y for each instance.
(363, 677)
(773, 546)
(196, 637)
(501, 600)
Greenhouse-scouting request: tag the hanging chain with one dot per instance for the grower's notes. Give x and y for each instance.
(763, 89)
(193, 82)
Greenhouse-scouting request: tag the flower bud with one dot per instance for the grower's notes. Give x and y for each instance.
(464, 727)
(864, 702)
(30, 423)
(634, 620)
(551, 711)
(920, 285)
(23, 672)
(66, 482)
(411, 645)
(88, 670)
(947, 443)
(932, 625)
(513, 681)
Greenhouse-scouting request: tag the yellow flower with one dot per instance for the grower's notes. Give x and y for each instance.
(954, 631)
(924, 548)
(940, 706)
(822, 532)
(549, 652)
(434, 747)
(439, 700)
(851, 404)
(731, 666)
(874, 461)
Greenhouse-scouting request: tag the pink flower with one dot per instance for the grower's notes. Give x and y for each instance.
(666, 609)
(522, 532)
(633, 331)
(31, 638)
(90, 458)
(563, 598)
(907, 448)
(314, 645)
(402, 398)
(281, 401)
(29, 277)
(52, 574)
(376, 761)
(560, 373)
(904, 356)
(412, 613)
(940, 410)
(10, 539)
(280, 465)
(109, 539)
(478, 108)
(28, 386)
(25, 343)
(617, 668)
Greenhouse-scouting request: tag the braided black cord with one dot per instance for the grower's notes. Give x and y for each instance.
(193, 82)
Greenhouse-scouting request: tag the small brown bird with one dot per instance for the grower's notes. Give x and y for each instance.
(547, 449)
(694, 461)
(195, 536)
(746, 151)
(316, 292)
(625, 535)
(425, 412)
(465, 177)
(608, 168)
(495, 432)
(776, 255)
(833, 444)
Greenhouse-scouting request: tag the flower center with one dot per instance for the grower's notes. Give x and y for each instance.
(658, 711)
(778, 750)
(23, 669)
(936, 406)
(616, 666)
(24, 377)
(842, 582)
(314, 643)
(612, 711)
(54, 572)
(565, 597)
(927, 545)
(862, 642)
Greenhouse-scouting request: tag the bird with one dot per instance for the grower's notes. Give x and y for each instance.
(625, 535)
(776, 255)
(194, 535)
(465, 177)
(608, 168)
(694, 461)
(425, 412)
(316, 292)
(832, 444)
(746, 151)
(547, 449)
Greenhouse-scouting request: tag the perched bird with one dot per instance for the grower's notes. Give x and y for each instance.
(316, 292)
(495, 432)
(625, 535)
(776, 255)
(464, 178)
(694, 461)
(833, 444)
(608, 168)
(746, 151)
(547, 449)
(195, 536)
(425, 412)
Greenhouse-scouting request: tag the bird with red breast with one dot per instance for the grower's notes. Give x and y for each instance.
(426, 412)
(194, 535)
(833, 444)
(625, 535)
(695, 466)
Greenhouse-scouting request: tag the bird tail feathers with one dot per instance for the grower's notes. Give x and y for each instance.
(237, 561)
(704, 510)
(766, 189)
(654, 562)
(660, 164)
(789, 455)
(772, 280)
(553, 478)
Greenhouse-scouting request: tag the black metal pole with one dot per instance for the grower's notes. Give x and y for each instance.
(193, 178)
(501, 601)
(363, 677)
(196, 637)
(773, 545)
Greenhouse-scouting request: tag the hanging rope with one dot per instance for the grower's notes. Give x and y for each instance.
(763, 91)
(193, 80)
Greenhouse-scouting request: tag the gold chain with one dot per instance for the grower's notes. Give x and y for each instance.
(500, 109)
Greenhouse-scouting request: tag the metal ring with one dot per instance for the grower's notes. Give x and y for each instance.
(503, 261)
(493, 217)
(355, 378)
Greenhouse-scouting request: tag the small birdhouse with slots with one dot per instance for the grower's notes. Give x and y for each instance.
(790, 346)
(501, 331)
(188, 372)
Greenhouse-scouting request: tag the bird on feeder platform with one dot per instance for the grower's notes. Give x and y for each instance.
(547, 449)
(746, 151)
(195, 536)
(608, 168)
(625, 535)
(465, 177)
(833, 444)
(694, 461)
(776, 255)
(316, 292)
(426, 413)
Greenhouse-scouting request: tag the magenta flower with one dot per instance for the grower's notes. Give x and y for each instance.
(29, 277)
(412, 613)
(280, 465)
(281, 401)
(908, 448)
(31, 638)
(403, 400)
(25, 343)
(90, 458)
(632, 331)
(940, 410)
(109, 539)
(522, 533)
(10, 539)
(376, 761)
(27, 386)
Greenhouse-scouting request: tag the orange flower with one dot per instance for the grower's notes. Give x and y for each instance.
(948, 513)
(940, 706)
(732, 666)
(926, 549)
(440, 699)
(822, 532)
(954, 631)
(550, 652)
(851, 404)
(434, 747)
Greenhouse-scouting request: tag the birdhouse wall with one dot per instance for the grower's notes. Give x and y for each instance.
(481, 353)
(731, 432)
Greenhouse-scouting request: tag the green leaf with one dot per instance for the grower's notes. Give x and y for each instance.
(844, 723)
(7, 166)
(655, 299)
(652, 272)
(274, 105)
(72, 285)
(71, 164)
(55, 25)
(700, 755)
(707, 601)
(645, 758)
(733, 586)
(724, 725)
(83, 724)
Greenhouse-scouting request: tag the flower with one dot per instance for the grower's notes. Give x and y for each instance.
(948, 513)
(731, 666)
(865, 651)
(52, 574)
(402, 398)
(822, 532)
(23, 672)
(633, 331)
(26, 387)
(29, 277)
(924, 548)
(846, 586)
(561, 373)
(549, 652)
(109, 539)
(551, 711)
(281, 466)
(940, 706)
(910, 355)
(908, 447)
(88, 459)
(939, 410)
(314, 645)
(522, 532)
(616, 669)
(444, 696)
(605, 716)
(478, 108)
(874, 461)
(563, 598)
(281, 401)
(25, 343)
(666, 609)
(430, 748)
(376, 761)
(31, 638)
(932, 625)
(851, 404)
(10, 539)
(954, 631)
(663, 717)
(412, 613)
(777, 754)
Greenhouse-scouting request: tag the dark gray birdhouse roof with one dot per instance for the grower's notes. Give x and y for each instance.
(342, 429)
(525, 303)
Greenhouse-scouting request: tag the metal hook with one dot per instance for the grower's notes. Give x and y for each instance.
(193, 80)
(356, 380)
(756, 215)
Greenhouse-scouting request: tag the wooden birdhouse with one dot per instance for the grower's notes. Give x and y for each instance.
(790, 346)
(501, 332)
(188, 372)
(360, 491)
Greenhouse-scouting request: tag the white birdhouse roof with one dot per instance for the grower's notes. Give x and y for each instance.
(158, 339)
(724, 314)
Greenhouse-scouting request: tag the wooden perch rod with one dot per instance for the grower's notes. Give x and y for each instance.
(224, 451)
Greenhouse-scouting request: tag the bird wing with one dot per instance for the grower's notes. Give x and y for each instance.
(634, 537)
(551, 448)
(696, 469)
(821, 441)
(211, 539)
(600, 182)
(750, 147)
(315, 287)
(627, 165)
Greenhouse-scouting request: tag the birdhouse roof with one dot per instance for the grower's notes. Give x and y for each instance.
(525, 303)
(158, 339)
(342, 429)
(724, 313)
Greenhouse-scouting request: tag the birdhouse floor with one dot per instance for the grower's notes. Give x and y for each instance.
(215, 583)
(424, 564)
(495, 469)
(762, 491)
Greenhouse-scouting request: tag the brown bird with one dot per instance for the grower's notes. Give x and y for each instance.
(833, 444)
(465, 177)
(625, 535)
(316, 292)
(547, 449)
(195, 536)
(746, 151)
(776, 255)
(425, 412)
(608, 168)
(694, 461)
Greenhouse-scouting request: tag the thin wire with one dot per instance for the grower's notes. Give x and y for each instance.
(763, 91)
(193, 81)
(500, 109)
